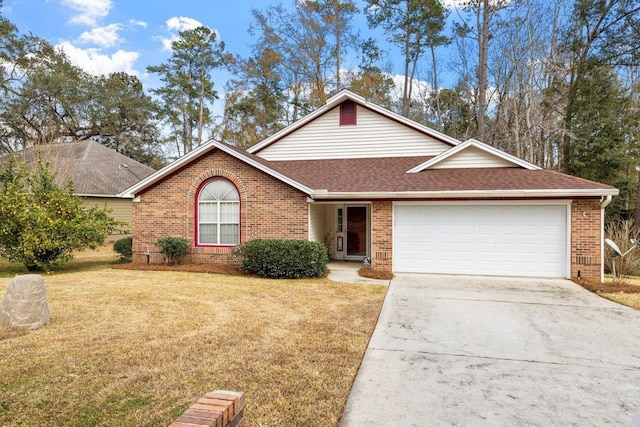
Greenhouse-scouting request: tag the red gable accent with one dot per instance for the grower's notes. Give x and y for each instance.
(348, 114)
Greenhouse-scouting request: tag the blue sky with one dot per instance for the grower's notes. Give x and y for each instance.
(103, 36)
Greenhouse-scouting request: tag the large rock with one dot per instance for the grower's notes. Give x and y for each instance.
(25, 306)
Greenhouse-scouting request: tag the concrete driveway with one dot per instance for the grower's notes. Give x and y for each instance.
(471, 351)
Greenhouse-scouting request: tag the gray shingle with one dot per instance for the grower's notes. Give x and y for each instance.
(93, 168)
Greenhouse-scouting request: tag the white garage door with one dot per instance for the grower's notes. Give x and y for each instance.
(502, 240)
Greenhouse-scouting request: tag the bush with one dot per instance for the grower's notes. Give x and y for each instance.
(278, 258)
(43, 223)
(124, 247)
(621, 232)
(173, 248)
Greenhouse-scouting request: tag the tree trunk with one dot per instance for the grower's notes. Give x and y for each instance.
(435, 88)
(483, 39)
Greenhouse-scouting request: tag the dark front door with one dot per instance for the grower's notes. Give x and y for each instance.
(357, 226)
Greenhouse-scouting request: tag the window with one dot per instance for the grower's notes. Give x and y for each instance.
(218, 213)
(347, 113)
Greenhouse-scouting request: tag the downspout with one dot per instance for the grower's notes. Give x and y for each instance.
(603, 204)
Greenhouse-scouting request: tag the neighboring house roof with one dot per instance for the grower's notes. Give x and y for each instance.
(325, 160)
(94, 169)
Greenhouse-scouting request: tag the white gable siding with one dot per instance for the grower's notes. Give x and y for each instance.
(373, 136)
(473, 157)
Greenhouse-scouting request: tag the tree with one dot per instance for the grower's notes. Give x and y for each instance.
(42, 223)
(605, 31)
(254, 101)
(124, 119)
(370, 81)
(484, 13)
(49, 100)
(188, 90)
(604, 148)
(412, 25)
(456, 113)
(337, 14)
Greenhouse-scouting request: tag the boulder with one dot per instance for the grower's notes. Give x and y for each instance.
(24, 305)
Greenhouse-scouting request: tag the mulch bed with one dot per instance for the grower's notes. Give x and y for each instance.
(609, 287)
(217, 268)
(212, 268)
(375, 274)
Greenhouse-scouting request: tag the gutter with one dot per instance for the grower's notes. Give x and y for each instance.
(605, 201)
(473, 194)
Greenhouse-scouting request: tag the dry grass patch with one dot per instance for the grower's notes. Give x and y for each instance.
(625, 291)
(85, 260)
(630, 300)
(136, 348)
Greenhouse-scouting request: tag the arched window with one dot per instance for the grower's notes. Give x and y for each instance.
(218, 213)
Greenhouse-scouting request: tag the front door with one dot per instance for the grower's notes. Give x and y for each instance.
(357, 232)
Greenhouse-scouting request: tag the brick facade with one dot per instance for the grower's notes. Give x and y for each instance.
(382, 236)
(272, 209)
(268, 208)
(586, 238)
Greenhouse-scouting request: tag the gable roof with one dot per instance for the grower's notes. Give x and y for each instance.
(377, 178)
(238, 153)
(486, 172)
(94, 169)
(468, 146)
(338, 99)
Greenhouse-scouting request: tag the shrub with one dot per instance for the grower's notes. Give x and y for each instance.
(124, 247)
(278, 258)
(173, 248)
(43, 223)
(621, 232)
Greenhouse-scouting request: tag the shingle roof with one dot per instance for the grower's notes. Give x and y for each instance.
(389, 175)
(93, 168)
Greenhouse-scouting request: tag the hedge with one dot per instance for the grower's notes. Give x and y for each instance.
(280, 258)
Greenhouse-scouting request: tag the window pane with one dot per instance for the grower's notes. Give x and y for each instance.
(229, 234)
(229, 212)
(229, 193)
(208, 212)
(207, 192)
(209, 233)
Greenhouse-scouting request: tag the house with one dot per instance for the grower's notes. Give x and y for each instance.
(370, 183)
(98, 173)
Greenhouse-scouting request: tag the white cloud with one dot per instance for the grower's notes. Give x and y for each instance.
(90, 11)
(181, 23)
(106, 36)
(138, 23)
(94, 62)
(175, 25)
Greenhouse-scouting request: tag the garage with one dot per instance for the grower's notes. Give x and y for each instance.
(481, 239)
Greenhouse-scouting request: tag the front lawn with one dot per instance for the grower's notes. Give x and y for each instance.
(136, 348)
(629, 296)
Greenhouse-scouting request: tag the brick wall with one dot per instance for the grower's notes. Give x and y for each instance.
(586, 229)
(381, 235)
(268, 208)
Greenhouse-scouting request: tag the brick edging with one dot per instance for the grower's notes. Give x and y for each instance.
(219, 408)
